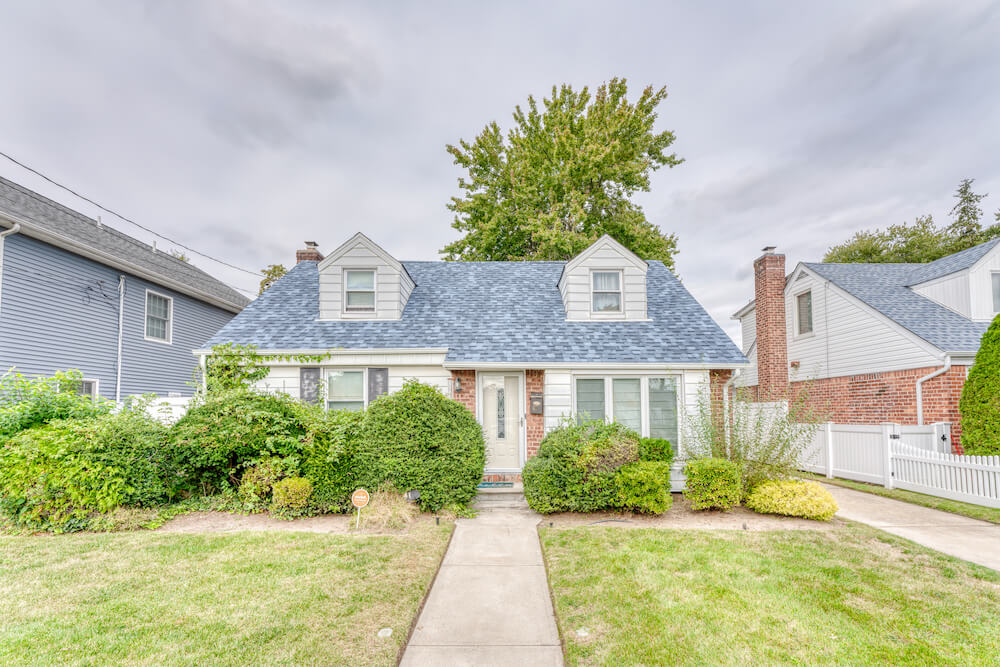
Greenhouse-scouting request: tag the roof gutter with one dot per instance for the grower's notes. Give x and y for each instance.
(920, 387)
(89, 252)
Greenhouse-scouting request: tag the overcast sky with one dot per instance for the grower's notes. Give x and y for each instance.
(244, 128)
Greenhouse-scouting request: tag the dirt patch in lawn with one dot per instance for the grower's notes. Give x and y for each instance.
(225, 522)
(683, 517)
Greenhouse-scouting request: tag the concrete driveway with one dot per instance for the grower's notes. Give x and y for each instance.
(969, 539)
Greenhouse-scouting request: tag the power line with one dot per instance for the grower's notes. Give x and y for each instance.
(129, 220)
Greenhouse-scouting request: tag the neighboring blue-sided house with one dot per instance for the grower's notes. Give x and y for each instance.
(76, 294)
(524, 345)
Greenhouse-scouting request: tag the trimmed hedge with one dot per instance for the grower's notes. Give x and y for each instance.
(418, 439)
(980, 402)
(596, 466)
(656, 449)
(793, 498)
(290, 497)
(59, 475)
(713, 483)
(328, 457)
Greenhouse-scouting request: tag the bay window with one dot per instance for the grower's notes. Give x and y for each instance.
(645, 404)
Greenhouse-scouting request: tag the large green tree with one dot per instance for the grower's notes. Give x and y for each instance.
(922, 240)
(980, 403)
(561, 177)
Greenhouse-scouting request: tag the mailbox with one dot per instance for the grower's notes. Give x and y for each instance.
(537, 403)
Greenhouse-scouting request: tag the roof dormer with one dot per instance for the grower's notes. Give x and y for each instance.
(607, 281)
(361, 281)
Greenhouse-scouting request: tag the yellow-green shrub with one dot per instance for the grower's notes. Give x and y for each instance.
(713, 483)
(793, 498)
(290, 496)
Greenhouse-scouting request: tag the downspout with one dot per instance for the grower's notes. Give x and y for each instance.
(4, 234)
(920, 387)
(121, 323)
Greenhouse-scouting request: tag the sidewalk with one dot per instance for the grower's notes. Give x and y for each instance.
(953, 534)
(490, 602)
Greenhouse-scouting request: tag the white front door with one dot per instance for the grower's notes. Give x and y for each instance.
(502, 421)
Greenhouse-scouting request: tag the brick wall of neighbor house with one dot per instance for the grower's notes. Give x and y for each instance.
(534, 381)
(772, 348)
(889, 396)
(467, 394)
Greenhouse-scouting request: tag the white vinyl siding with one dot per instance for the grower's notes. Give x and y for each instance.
(980, 282)
(284, 377)
(159, 316)
(850, 338)
(748, 329)
(392, 286)
(576, 283)
(950, 291)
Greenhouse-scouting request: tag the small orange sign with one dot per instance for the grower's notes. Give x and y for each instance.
(360, 498)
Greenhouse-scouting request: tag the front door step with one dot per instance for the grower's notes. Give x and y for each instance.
(501, 497)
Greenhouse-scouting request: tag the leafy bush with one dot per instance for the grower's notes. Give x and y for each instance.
(980, 402)
(793, 498)
(655, 449)
(418, 439)
(219, 435)
(290, 497)
(27, 402)
(644, 486)
(576, 466)
(258, 480)
(233, 367)
(713, 483)
(56, 476)
(328, 455)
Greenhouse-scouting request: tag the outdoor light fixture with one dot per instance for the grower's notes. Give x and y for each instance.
(413, 495)
(458, 384)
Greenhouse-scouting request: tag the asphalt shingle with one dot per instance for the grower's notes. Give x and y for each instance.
(490, 312)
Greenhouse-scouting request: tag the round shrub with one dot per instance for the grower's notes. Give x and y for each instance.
(418, 439)
(713, 483)
(59, 475)
(793, 498)
(328, 452)
(980, 402)
(290, 496)
(655, 449)
(644, 486)
(258, 480)
(218, 436)
(576, 468)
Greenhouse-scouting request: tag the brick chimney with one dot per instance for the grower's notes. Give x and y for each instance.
(772, 346)
(310, 254)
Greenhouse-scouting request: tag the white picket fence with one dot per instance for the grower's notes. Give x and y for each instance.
(905, 457)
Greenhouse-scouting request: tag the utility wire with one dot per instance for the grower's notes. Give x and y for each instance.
(129, 220)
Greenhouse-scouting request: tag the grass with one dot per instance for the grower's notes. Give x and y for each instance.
(945, 505)
(850, 595)
(220, 599)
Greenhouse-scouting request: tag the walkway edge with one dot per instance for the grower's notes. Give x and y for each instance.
(423, 601)
(552, 597)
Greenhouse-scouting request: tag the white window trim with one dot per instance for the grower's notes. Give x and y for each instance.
(325, 387)
(361, 314)
(643, 397)
(97, 387)
(812, 314)
(613, 315)
(170, 318)
(995, 312)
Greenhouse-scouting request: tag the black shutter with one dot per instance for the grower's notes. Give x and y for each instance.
(309, 384)
(378, 382)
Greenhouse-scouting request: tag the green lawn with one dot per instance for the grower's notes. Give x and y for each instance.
(945, 505)
(850, 595)
(241, 598)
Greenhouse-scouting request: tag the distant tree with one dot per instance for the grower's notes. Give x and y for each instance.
(271, 273)
(562, 177)
(921, 241)
(179, 254)
(980, 402)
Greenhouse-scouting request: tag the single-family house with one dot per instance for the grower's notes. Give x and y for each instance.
(76, 294)
(872, 343)
(524, 345)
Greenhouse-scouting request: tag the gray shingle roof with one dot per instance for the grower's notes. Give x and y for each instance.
(950, 264)
(490, 312)
(884, 288)
(55, 218)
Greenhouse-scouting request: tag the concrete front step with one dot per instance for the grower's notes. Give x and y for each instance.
(509, 497)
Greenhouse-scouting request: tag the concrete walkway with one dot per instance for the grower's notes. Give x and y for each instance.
(490, 602)
(953, 534)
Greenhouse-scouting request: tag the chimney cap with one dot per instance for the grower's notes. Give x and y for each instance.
(768, 249)
(311, 244)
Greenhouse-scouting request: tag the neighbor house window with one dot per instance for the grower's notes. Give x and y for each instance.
(996, 291)
(159, 317)
(607, 291)
(359, 291)
(346, 390)
(87, 388)
(647, 405)
(804, 312)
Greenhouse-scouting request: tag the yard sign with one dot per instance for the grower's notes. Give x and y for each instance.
(359, 499)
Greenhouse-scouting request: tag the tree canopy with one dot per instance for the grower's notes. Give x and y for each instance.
(271, 273)
(562, 177)
(922, 240)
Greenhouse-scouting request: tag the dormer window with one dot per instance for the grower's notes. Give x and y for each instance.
(606, 293)
(359, 291)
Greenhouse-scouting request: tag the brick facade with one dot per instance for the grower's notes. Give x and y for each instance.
(772, 348)
(466, 393)
(534, 381)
